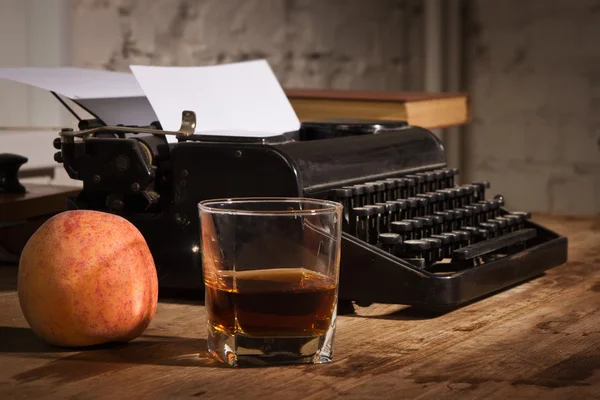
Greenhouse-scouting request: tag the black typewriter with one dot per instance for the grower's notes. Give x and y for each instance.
(411, 234)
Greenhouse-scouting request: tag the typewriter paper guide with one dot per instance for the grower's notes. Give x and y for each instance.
(242, 98)
(113, 97)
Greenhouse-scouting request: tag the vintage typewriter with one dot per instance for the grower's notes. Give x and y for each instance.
(411, 234)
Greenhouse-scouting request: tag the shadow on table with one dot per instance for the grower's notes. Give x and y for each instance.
(73, 364)
(404, 314)
(412, 313)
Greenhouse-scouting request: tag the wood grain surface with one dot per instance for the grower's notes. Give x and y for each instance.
(37, 201)
(540, 339)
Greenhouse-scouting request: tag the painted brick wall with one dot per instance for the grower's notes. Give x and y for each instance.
(309, 43)
(534, 77)
(531, 69)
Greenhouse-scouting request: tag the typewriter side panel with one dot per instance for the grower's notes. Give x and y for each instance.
(203, 171)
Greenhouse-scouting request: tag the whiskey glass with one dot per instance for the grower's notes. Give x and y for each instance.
(271, 273)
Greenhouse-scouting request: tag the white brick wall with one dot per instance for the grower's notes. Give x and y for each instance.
(535, 86)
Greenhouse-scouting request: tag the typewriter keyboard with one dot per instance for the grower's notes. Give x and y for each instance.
(428, 220)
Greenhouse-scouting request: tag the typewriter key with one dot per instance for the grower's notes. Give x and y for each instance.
(435, 250)
(481, 186)
(417, 228)
(470, 195)
(485, 209)
(389, 241)
(402, 209)
(482, 234)
(404, 191)
(403, 228)
(390, 190)
(455, 240)
(431, 202)
(438, 201)
(494, 208)
(429, 178)
(455, 173)
(448, 195)
(467, 219)
(462, 196)
(513, 221)
(448, 178)
(415, 248)
(376, 222)
(441, 200)
(427, 225)
(421, 205)
(474, 215)
(411, 187)
(478, 213)
(447, 222)
(524, 215)
(465, 237)
(491, 228)
(454, 198)
(457, 217)
(419, 182)
(386, 216)
(490, 211)
(500, 224)
(368, 195)
(395, 190)
(520, 218)
(378, 191)
(429, 181)
(507, 224)
(476, 234)
(394, 210)
(438, 182)
(360, 222)
(344, 196)
(405, 212)
(413, 207)
(438, 221)
(500, 199)
(401, 188)
(446, 250)
(357, 193)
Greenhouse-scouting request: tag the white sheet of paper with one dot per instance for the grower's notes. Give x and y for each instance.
(114, 97)
(77, 83)
(241, 98)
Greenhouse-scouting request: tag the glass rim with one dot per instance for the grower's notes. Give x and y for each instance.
(328, 206)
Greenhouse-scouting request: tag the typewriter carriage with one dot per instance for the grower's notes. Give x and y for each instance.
(134, 172)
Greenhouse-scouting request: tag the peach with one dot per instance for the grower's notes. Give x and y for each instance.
(85, 278)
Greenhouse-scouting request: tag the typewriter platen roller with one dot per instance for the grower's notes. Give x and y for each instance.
(411, 234)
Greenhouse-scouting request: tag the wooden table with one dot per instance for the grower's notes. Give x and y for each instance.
(537, 340)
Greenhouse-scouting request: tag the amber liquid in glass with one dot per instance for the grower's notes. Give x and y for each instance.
(292, 302)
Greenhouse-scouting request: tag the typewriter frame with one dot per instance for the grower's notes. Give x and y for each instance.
(407, 284)
(173, 178)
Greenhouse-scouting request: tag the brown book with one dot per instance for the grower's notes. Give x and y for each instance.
(428, 110)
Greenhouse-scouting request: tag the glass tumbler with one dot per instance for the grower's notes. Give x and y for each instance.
(271, 273)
